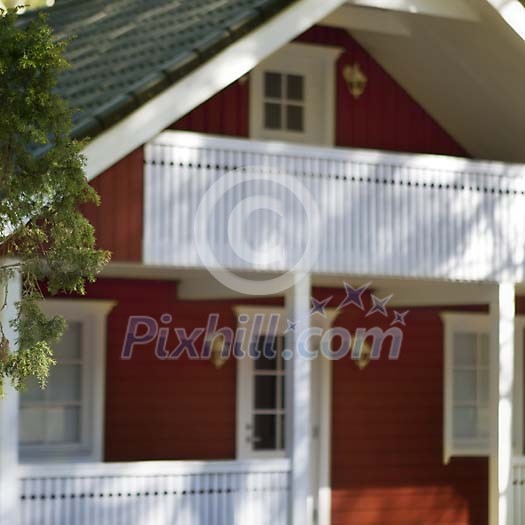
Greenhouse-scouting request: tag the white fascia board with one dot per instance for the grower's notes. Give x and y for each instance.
(235, 61)
(455, 9)
(513, 12)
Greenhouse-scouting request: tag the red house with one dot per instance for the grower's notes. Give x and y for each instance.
(314, 309)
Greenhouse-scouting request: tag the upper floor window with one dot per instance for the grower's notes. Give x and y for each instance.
(283, 101)
(293, 95)
(64, 420)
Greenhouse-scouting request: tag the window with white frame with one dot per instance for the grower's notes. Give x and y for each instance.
(64, 420)
(284, 104)
(466, 385)
(292, 95)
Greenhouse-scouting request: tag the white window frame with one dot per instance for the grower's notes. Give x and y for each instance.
(93, 315)
(454, 323)
(480, 323)
(317, 65)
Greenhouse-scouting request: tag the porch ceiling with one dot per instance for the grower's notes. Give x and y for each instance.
(462, 62)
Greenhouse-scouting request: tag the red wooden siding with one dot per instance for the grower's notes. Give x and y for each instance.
(387, 439)
(118, 219)
(385, 117)
(226, 113)
(178, 409)
(164, 409)
(387, 420)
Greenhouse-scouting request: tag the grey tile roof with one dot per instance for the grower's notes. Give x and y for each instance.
(124, 52)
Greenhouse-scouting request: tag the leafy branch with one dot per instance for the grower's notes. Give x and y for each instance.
(41, 226)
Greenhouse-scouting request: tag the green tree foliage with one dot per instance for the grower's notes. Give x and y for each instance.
(44, 237)
(26, 4)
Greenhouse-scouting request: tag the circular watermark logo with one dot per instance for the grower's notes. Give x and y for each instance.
(256, 218)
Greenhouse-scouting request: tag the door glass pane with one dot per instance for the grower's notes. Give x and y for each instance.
(465, 349)
(282, 346)
(267, 349)
(465, 386)
(264, 432)
(294, 87)
(63, 425)
(272, 85)
(294, 118)
(465, 422)
(265, 392)
(32, 425)
(272, 115)
(70, 345)
(65, 383)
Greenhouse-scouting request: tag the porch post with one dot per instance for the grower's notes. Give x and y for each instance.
(502, 310)
(9, 489)
(298, 394)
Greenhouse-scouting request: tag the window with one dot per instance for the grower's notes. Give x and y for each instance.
(65, 419)
(53, 415)
(466, 385)
(283, 101)
(292, 95)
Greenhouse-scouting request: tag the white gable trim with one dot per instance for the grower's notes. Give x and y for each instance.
(513, 12)
(455, 9)
(235, 61)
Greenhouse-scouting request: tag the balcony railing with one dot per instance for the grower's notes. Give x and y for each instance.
(373, 213)
(153, 493)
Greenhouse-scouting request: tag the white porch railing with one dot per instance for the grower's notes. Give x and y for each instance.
(156, 493)
(380, 213)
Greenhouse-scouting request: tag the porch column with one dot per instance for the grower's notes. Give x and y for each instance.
(9, 489)
(298, 395)
(502, 311)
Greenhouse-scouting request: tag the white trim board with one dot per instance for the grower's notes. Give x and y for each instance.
(357, 18)
(454, 9)
(235, 61)
(513, 12)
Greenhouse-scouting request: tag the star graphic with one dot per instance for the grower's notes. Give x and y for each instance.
(379, 305)
(399, 318)
(319, 306)
(354, 296)
(291, 326)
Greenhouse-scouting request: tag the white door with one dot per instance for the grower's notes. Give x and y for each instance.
(261, 399)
